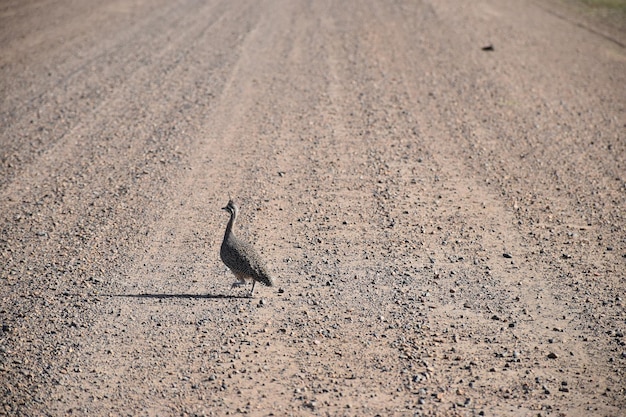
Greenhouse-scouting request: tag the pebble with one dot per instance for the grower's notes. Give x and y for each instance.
(552, 355)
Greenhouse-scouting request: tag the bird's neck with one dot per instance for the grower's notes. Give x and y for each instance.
(229, 226)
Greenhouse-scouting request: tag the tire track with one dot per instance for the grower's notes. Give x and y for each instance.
(90, 87)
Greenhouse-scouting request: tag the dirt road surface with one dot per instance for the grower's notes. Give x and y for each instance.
(439, 188)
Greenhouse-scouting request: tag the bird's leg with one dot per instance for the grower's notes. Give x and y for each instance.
(240, 281)
(253, 284)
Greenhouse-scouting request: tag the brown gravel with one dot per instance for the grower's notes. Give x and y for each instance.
(439, 188)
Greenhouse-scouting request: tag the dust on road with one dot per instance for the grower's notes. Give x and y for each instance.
(445, 222)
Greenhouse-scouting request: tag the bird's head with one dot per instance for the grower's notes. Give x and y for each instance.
(231, 207)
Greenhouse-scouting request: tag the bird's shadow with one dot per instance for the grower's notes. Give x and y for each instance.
(171, 296)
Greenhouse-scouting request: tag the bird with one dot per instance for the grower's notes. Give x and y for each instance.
(240, 257)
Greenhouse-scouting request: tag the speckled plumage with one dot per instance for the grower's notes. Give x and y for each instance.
(240, 257)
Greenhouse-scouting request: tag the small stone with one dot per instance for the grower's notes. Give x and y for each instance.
(507, 255)
(552, 355)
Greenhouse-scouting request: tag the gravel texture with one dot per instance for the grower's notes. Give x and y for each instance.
(439, 188)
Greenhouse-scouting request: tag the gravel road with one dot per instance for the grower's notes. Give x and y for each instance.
(439, 188)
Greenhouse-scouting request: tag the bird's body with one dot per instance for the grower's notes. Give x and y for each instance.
(240, 257)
